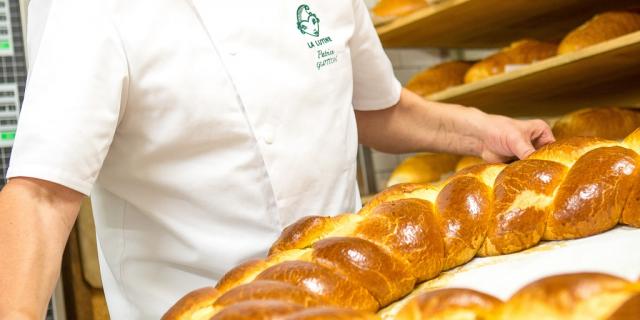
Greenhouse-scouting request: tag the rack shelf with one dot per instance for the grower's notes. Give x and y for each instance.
(492, 23)
(604, 74)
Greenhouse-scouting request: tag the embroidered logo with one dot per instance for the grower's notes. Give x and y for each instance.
(308, 22)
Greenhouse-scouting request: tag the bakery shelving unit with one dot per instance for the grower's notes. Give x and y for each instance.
(492, 23)
(604, 74)
(601, 75)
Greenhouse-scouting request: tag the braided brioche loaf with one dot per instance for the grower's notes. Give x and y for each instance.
(593, 296)
(411, 232)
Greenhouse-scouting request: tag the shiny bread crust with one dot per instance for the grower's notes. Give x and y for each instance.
(409, 233)
(602, 27)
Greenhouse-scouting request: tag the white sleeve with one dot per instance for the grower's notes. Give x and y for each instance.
(75, 90)
(374, 84)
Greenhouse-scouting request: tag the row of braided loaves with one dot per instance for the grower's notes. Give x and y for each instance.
(410, 233)
(433, 167)
(577, 296)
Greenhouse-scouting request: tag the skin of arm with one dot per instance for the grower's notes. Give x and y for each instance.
(37, 217)
(415, 124)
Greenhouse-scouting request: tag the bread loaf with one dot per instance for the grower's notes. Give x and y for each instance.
(608, 123)
(438, 78)
(602, 27)
(280, 310)
(195, 305)
(579, 296)
(521, 52)
(423, 168)
(409, 233)
(468, 161)
(397, 8)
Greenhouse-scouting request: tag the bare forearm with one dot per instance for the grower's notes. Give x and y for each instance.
(34, 229)
(415, 124)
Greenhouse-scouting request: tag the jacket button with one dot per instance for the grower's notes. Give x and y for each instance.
(268, 135)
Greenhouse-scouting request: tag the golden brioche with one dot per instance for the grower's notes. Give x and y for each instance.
(569, 296)
(468, 161)
(258, 310)
(630, 309)
(195, 305)
(423, 168)
(578, 296)
(397, 220)
(397, 8)
(438, 78)
(326, 313)
(602, 27)
(450, 304)
(304, 232)
(409, 233)
(336, 289)
(280, 310)
(397, 192)
(609, 123)
(523, 192)
(523, 52)
(383, 275)
(268, 290)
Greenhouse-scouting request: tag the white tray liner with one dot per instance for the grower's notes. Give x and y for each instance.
(616, 252)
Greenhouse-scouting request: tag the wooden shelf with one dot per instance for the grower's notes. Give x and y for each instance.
(604, 74)
(492, 23)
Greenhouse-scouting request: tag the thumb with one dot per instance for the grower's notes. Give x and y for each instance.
(521, 147)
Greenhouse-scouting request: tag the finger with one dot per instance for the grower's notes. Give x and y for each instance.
(521, 147)
(492, 157)
(545, 138)
(541, 134)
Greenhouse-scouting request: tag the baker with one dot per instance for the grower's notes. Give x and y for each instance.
(200, 129)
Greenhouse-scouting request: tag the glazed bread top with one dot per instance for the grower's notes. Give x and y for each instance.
(409, 233)
(602, 27)
(578, 296)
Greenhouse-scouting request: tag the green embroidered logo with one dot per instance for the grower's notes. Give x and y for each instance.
(308, 22)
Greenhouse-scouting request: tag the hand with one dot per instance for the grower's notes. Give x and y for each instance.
(416, 125)
(503, 138)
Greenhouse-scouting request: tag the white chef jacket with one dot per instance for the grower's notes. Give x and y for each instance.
(200, 127)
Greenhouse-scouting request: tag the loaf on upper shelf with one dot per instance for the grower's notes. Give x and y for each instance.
(602, 27)
(579, 296)
(423, 168)
(519, 53)
(438, 77)
(397, 8)
(609, 123)
(410, 233)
